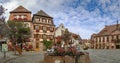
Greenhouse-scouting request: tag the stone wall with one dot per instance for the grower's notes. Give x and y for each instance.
(66, 59)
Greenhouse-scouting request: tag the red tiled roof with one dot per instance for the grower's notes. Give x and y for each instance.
(42, 13)
(109, 30)
(20, 9)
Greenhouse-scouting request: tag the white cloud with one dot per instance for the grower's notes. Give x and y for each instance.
(78, 20)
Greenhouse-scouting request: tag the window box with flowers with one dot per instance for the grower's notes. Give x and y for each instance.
(25, 19)
(70, 52)
(51, 37)
(37, 30)
(15, 19)
(19, 18)
(44, 29)
(51, 29)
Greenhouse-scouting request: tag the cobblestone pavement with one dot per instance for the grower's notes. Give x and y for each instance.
(104, 56)
(27, 57)
(9, 56)
(96, 56)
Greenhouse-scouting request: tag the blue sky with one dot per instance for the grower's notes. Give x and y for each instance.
(83, 17)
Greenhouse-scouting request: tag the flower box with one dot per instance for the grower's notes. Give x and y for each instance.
(65, 59)
(25, 19)
(37, 30)
(19, 18)
(15, 19)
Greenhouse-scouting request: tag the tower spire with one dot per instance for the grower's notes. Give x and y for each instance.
(117, 25)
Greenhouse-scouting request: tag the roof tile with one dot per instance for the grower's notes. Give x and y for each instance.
(20, 9)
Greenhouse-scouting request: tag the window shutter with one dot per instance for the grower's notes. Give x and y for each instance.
(34, 26)
(48, 28)
(40, 27)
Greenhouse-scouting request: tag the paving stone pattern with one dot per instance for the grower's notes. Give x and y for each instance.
(104, 56)
(29, 58)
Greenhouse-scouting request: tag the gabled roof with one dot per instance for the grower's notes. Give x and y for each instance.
(20, 9)
(110, 30)
(42, 13)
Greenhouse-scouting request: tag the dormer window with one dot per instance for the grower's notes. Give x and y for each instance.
(49, 21)
(37, 19)
(43, 20)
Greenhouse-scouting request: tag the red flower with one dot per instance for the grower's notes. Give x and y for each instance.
(19, 18)
(15, 18)
(25, 19)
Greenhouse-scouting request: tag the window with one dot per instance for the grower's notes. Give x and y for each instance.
(99, 39)
(15, 17)
(51, 37)
(25, 17)
(26, 25)
(107, 38)
(20, 18)
(44, 28)
(51, 29)
(49, 21)
(43, 20)
(44, 36)
(103, 39)
(37, 19)
(36, 27)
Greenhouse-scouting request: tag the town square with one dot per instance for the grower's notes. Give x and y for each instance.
(59, 31)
